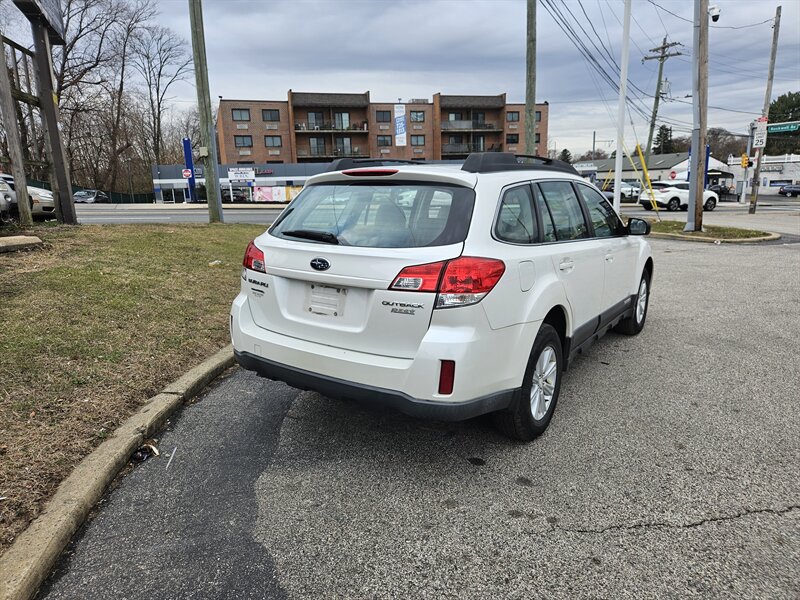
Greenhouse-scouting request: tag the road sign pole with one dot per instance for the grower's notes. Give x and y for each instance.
(765, 112)
(745, 164)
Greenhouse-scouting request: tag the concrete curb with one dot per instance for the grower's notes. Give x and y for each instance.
(13, 243)
(691, 238)
(29, 560)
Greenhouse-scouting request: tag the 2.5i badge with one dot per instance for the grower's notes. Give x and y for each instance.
(402, 308)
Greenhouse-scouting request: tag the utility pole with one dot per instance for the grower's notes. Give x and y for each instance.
(697, 168)
(207, 137)
(594, 140)
(530, 82)
(765, 112)
(662, 56)
(623, 93)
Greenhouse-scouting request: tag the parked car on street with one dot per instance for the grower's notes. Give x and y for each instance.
(42, 202)
(5, 201)
(627, 190)
(470, 296)
(675, 196)
(90, 196)
(238, 196)
(720, 189)
(790, 191)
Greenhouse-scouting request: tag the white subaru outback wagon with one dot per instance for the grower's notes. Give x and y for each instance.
(444, 291)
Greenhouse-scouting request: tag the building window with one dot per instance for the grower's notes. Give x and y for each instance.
(341, 120)
(240, 114)
(243, 141)
(272, 141)
(512, 116)
(538, 116)
(384, 140)
(512, 138)
(344, 146)
(270, 114)
(315, 120)
(479, 117)
(317, 146)
(536, 139)
(456, 139)
(417, 140)
(383, 116)
(455, 116)
(417, 116)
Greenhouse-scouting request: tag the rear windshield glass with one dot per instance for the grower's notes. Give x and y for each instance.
(396, 215)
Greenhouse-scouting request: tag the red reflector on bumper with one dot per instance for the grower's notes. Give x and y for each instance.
(447, 375)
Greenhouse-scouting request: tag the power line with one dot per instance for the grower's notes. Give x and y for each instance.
(713, 26)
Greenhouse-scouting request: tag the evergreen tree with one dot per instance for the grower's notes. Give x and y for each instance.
(783, 109)
(663, 142)
(565, 155)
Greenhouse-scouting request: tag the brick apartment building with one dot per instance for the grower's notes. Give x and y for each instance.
(310, 127)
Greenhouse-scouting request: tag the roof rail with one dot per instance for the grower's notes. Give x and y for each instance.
(495, 162)
(341, 164)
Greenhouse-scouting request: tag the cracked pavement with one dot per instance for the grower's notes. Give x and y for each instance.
(670, 470)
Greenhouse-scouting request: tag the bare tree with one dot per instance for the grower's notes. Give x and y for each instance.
(162, 60)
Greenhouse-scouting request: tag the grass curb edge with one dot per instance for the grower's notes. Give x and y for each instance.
(690, 238)
(29, 560)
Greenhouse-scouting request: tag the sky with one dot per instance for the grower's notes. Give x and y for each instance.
(259, 49)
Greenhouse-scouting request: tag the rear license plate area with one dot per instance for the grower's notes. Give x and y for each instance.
(325, 300)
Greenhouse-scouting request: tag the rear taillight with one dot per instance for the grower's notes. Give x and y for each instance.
(254, 258)
(466, 280)
(419, 278)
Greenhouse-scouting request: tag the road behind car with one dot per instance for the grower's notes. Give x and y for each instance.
(670, 470)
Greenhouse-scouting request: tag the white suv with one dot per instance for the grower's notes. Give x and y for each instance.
(443, 291)
(674, 196)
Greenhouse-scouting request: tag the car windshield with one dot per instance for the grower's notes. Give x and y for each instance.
(395, 215)
(82, 194)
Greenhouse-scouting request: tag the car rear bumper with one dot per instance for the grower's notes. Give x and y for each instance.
(485, 379)
(649, 203)
(375, 396)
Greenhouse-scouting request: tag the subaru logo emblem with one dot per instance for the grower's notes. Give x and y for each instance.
(320, 264)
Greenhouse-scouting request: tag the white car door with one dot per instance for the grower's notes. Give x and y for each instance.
(577, 257)
(619, 257)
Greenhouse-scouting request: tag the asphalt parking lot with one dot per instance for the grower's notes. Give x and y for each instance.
(670, 470)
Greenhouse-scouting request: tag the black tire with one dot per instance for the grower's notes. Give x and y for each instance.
(518, 421)
(710, 204)
(674, 204)
(633, 325)
(648, 206)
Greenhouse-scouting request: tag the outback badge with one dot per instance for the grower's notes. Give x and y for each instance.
(320, 264)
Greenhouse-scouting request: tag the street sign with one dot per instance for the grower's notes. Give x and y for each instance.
(760, 133)
(187, 173)
(783, 127)
(241, 174)
(673, 174)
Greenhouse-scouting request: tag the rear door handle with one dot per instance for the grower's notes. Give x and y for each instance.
(566, 265)
(609, 258)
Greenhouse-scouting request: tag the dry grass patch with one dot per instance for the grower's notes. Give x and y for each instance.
(709, 231)
(92, 325)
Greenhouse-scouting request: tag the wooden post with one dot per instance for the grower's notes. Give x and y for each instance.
(48, 103)
(14, 146)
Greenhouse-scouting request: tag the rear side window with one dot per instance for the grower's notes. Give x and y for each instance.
(562, 206)
(604, 220)
(396, 215)
(515, 222)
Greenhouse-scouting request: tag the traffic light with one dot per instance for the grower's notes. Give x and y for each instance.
(745, 161)
(749, 162)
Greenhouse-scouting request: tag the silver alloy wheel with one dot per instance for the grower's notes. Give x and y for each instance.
(641, 302)
(543, 387)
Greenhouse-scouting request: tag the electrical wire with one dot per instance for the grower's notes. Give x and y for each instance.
(771, 19)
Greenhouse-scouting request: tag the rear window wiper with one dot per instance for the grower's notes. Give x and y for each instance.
(310, 234)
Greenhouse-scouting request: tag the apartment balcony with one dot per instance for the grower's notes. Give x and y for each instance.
(331, 152)
(469, 126)
(468, 148)
(304, 127)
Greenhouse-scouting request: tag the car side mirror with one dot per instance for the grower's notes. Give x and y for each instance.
(638, 227)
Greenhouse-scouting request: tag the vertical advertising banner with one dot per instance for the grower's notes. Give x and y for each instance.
(399, 124)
